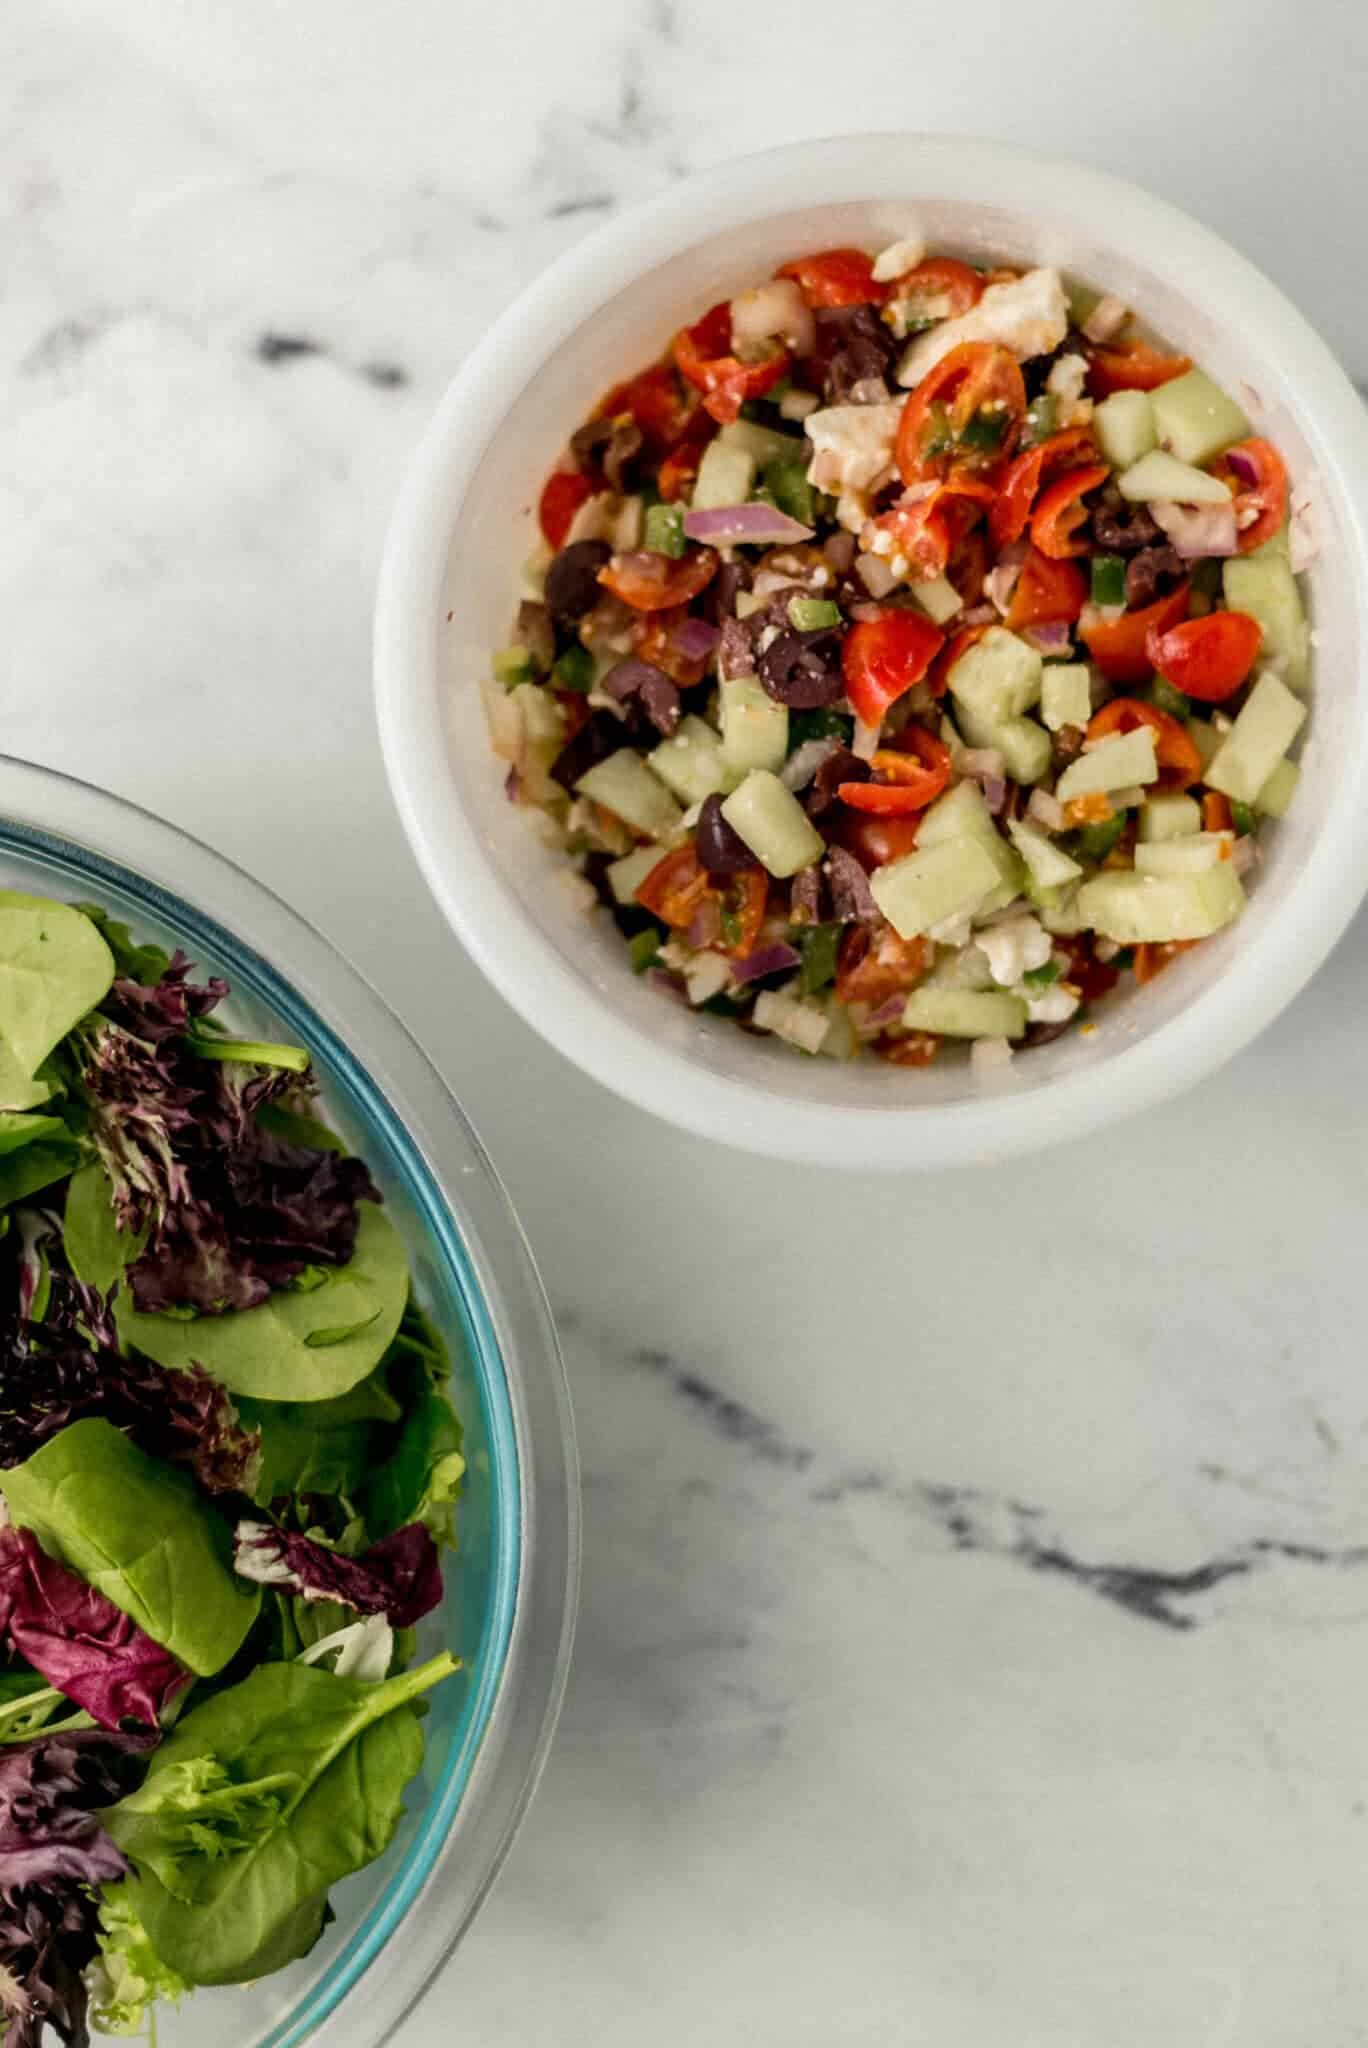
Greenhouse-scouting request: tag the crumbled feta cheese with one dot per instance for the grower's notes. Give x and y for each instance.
(1107, 318)
(852, 446)
(898, 258)
(1030, 316)
(1052, 1005)
(705, 976)
(990, 1055)
(1067, 376)
(801, 1024)
(1014, 947)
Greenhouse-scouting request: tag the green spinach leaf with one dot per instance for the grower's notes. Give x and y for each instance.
(54, 969)
(139, 1531)
(262, 1799)
(96, 1248)
(36, 1166)
(143, 964)
(420, 1479)
(319, 1446)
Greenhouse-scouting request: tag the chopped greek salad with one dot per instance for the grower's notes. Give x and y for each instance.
(915, 651)
(228, 1471)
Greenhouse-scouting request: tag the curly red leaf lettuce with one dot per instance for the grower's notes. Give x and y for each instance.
(53, 1855)
(80, 1641)
(399, 1577)
(232, 1211)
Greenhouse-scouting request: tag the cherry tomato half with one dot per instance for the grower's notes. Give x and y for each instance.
(1118, 645)
(1025, 477)
(1180, 764)
(873, 841)
(658, 404)
(564, 491)
(835, 277)
(938, 675)
(927, 529)
(1150, 958)
(676, 888)
(1261, 506)
(941, 278)
(1046, 592)
(873, 966)
(1060, 515)
(907, 777)
(972, 378)
(1207, 658)
(653, 583)
(1132, 366)
(881, 658)
(702, 354)
(653, 638)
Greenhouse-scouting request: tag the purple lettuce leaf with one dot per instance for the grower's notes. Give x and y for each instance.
(70, 1365)
(53, 1855)
(80, 1641)
(232, 1211)
(399, 1577)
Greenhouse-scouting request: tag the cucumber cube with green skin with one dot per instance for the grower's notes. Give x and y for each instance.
(1120, 762)
(691, 762)
(998, 677)
(1264, 730)
(762, 444)
(1195, 418)
(725, 476)
(938, 598)
(1206, 737)
(1050, 866)
(1058, 911)
(513, 665)
(962, 813)
(1065, 694)
(1263, 586)
(934, 883)
(1134, 909)
(1160, 475)
(1190, 856)
(626, 876)
(773, 824)
(1024, 746)
(965, 1013)
(1124, 426)
(624, 785)
(1169, 815)
(1277, 793)
(755, 730)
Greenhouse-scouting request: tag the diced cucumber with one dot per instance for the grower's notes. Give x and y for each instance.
(1160, 475)
(1124, 426)
(1156, 909)
(513, 665)
(773, 824)
(691, 762)
(960, 967)
(1169, 815)
(1195, 418)
(1049, 864)
(1192, 855)
(1108, 579)
(965, 1013)
(934, 883)
(1058, 911)
(1263, 585)
(725, 476)
(1024, 745)
(1065, 694)
(804, 1024)
(626, 876)
(938, 598)
(1261, 735)
(962, 813)
(840, 1042)
(755, 730)
(1206, 737)
(762, 444)
(1124, 759)
(542, 717)
(1279, 790)
(624, 785)
(998, 677)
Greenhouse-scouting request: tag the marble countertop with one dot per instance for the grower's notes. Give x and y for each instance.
(975, 1617)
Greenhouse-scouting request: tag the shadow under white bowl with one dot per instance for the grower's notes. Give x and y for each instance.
(465, 523)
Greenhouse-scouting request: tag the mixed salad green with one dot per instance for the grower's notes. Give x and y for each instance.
(228, 1466)
(915, 651)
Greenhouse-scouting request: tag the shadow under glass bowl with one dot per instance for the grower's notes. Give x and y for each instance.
(511, 1587)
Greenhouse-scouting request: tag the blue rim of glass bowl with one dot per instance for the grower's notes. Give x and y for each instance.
(490, 1655)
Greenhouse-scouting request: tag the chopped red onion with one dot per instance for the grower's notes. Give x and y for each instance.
(1048, 636)
(866, 614)
(889, 1012)
(981, 764)
(1197, 531)
(705, 926)
(1046, 809)
(1243, 464)
(746, 525)
(979, 615)
(694, 638)
(669, 984)
(994, 792)
(839, 549)
(778, 958)
(803, 763)
(1002, 578)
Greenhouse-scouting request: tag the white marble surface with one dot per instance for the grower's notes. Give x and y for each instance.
(975, 1626)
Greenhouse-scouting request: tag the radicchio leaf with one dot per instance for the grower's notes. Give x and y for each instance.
(232, 1211)
(80, 1641)
(399, 1577)
(53, 1855)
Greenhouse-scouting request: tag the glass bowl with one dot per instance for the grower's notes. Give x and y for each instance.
(510, 1600)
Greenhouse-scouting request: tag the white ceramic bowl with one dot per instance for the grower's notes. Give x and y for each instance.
(464, 525)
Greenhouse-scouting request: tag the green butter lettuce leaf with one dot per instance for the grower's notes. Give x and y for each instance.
(19, 1090)
(420, 1479)
(262, 1799)
(319, 1446)
(140, 1532)
(132, 962)
(128, 1974)
(54, 969)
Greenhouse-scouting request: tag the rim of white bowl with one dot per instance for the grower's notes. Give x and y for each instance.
(482, 907)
